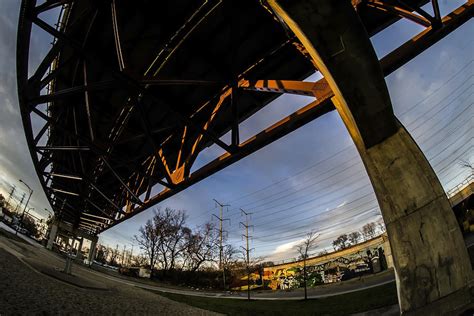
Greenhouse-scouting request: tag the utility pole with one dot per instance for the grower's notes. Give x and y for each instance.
(123, 255)
(11, 194)
(21, 202)
(130, 257)
(27, 201)
(221, 239)
(247, 248)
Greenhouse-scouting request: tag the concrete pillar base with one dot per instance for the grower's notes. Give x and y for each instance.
(79, 249)
(52, 236)
(460, 302)
(430, 257)
(92, 250)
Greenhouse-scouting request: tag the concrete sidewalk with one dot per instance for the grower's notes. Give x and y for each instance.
(26, 289)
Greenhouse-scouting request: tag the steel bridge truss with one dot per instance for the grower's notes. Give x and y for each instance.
(91, 184)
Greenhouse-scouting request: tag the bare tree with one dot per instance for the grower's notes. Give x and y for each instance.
(114, 253)
(381, 226)
(341, 242)
(229, 256)
(466, 164)
(139, 260)
(368, 230)
(148, 239)
(303, 249)
(354, 238)
(201, 246)
(169, 225)
(102, 253)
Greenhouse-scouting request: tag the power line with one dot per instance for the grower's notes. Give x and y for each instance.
(443, 126)
(292, 176)
(310, 180)
(346, 223)
(450, 132)
(413, 129)
(451, 162)
(461, 70)
(347, 218)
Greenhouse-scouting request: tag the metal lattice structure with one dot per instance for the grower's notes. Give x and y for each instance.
(132, 91)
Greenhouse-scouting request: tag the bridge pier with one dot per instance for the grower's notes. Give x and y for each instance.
(53, 232)
(432, 267)
(92, 250)
(79, 248)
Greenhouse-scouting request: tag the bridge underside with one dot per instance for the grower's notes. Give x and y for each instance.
(131, 92)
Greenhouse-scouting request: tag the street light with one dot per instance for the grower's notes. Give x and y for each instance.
(50, 214)
(28, 212)
(24, 209)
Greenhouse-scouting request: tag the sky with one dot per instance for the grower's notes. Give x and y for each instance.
(311, 179)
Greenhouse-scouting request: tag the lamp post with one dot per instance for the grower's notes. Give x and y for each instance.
(24, 209)
(48, 223)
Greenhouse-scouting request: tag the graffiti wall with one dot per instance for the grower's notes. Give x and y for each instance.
(369, 257)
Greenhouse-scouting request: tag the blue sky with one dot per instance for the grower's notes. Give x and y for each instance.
(312, 179)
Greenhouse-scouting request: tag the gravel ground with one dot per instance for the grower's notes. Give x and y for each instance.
(23, 290)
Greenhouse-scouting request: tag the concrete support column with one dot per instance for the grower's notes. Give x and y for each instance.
(432, 267)
(430, 257)
(79, 248)
(52, 235)
(92, 250)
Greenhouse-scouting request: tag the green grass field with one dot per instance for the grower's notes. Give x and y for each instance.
(344, 304)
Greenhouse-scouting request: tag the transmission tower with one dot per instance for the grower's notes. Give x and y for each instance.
(221, 232)
(11, 194)
(247, 248)
(21, 202)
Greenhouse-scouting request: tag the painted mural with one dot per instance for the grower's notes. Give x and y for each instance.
(339, 269)
(369, 257)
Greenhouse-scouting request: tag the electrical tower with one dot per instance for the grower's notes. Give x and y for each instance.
(21, 202)
(123, 256)
(11, 194)
(247, 247)
(221, 239)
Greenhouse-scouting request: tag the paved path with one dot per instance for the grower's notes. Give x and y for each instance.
(24, 290)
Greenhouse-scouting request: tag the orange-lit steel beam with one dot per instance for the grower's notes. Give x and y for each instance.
(269, 135)
(318, 89)
(380, 5)
(426, 39)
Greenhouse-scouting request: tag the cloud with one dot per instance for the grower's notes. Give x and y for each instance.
(287, 246)
(15, 160)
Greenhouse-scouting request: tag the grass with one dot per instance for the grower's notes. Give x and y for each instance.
(344, 304)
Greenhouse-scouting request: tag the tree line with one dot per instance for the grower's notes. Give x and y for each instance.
(168, 243)
(367, 232)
